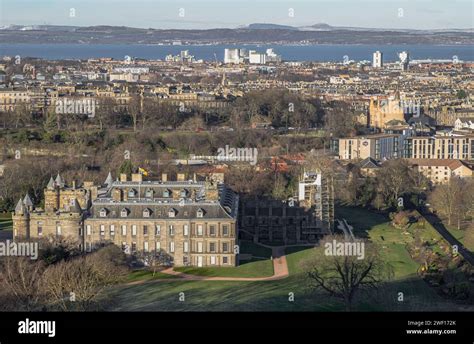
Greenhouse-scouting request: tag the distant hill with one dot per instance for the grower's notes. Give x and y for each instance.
(263, 26)
(258, 33)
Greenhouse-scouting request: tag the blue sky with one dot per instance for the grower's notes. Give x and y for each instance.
(417, 14)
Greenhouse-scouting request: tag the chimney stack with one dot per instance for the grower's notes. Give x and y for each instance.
(137, 177)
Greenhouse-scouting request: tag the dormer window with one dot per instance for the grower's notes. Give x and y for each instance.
(103, 212)
(146, 212)
(124, 212)
(172, 213)
(200, 212)
(149, 193)
(167, 193)
(132, 193)
(184, 193)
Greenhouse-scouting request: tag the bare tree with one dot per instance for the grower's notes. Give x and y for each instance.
(154, 260)
(79, 283)
(22, 114)
(135, 108)
(453, 200)
(343, 276)
(20, 277)
(105, 111)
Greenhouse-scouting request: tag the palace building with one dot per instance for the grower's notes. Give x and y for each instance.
(193, 222)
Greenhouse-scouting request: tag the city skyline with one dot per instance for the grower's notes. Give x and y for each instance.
(208, 14)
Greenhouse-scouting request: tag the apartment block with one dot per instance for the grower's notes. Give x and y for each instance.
(447, 146)
(378, 147)
(440, 171)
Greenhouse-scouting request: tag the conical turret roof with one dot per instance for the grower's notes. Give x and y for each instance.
(51, 184)
(109, 180)
(27, 201)
(59, 181)
(20, 207)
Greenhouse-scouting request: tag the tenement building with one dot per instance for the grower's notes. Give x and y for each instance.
(192, 222)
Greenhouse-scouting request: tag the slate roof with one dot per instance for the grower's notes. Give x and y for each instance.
(185, 208)
(188, 211)
(368, 163)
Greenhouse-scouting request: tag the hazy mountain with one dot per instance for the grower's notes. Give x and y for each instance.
(259, 33)
(264, 26)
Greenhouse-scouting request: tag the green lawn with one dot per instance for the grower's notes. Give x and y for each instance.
(391, 241)
(6, 221)
(465, 236)
(268, 295)
(252, 268)
(274, 295)
(258, 266)
(295, 255)
(146, 275)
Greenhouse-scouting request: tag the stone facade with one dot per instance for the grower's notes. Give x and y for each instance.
(385, 110)
(193, 223)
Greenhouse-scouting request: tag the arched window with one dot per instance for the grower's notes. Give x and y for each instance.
(103, 212)
(132, 193)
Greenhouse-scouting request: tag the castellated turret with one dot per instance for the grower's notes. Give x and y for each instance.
(62, 214)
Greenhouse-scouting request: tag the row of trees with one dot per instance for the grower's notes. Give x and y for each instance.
(454, 200)
(394, 180)
(278, 107)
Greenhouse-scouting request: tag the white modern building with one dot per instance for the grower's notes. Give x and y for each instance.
(377, 61)
(236, 56)
(256, 57)
(404, 57)
(272, 56)
(232, 56)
